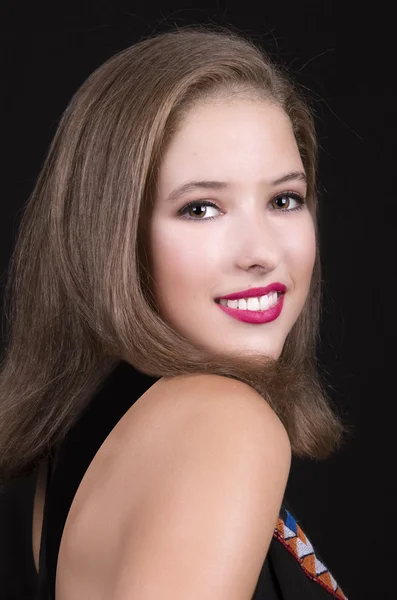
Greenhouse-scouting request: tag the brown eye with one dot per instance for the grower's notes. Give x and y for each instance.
(283, 201)
(196, 210)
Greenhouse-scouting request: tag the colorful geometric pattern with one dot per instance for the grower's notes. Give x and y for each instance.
(291, 535)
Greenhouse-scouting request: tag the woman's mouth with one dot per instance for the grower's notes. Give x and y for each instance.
(254, 310)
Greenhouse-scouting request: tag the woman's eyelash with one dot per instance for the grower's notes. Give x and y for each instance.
(301, 201)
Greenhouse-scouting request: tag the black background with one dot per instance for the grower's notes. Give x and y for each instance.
(345, 53)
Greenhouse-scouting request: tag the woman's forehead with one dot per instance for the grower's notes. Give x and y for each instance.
(231, 139)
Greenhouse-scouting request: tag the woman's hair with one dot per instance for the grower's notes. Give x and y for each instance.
(78, 297)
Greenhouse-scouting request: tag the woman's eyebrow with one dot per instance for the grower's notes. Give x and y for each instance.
(192, 185)
(219, 185)
(292, 176)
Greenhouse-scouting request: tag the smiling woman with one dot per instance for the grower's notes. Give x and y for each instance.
(249, 144)
(111, 273)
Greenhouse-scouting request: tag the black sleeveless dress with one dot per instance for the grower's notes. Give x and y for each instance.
(292, 569)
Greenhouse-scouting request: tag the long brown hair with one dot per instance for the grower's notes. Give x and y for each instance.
(78, 298)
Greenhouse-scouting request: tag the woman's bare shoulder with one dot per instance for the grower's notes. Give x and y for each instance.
(178, 402)
(210, 392)
(150, 453)
(213, 475)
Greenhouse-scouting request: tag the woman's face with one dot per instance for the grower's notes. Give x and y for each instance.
(241, 148)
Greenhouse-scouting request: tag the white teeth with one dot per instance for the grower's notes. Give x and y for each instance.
(230, 303)
(242, 304)
(265, 301)
(258, 303)
(253, 304)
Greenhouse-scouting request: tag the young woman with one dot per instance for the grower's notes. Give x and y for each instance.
(171, 239)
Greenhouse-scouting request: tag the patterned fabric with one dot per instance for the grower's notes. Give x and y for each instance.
(293, 538)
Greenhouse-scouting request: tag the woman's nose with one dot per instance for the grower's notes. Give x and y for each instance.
(257, 244)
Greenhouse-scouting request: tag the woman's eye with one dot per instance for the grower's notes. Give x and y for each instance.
(199, 205)
(198, 209)
(284, 201)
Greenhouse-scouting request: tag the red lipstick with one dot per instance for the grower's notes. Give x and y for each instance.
(258, 291)
(256, 316)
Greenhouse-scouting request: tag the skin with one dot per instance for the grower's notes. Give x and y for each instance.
(248, 144)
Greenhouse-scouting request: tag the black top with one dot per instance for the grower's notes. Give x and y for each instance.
(292, 569)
